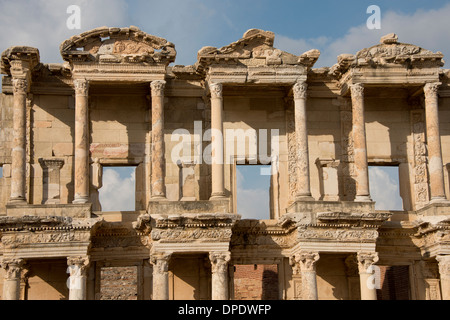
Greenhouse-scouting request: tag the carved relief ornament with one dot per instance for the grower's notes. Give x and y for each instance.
(81, 87)
(158, 87)
(216, 90)
(219, 261)
(431, 90)
(160, 262)
(300, 90)
(13, 268)
(366, 260)
(20, 86)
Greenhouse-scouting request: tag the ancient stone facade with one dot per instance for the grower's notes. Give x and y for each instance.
(119, 100)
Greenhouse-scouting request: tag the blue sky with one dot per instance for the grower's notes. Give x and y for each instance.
(333, 27)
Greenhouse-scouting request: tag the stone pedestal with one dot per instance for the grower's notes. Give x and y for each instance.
(444, 271)
(188, 183)
(359, 142)
(77, 268)
(366, 262)
(158, 187)
(51, 183)
(219, 280)
(81, 171)
(301, 130)
(11, 282)
(435, 164)
(160, 262)
(328, 169)
(217, 166)
(18, 153)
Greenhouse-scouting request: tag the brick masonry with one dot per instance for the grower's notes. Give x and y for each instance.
(256, 282)
(119, 283)
(394, 283)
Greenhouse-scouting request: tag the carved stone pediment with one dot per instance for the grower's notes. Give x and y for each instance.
(18, 53)
(254, 49)
(118, 45)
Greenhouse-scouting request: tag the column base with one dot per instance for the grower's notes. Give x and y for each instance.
(218, 196)
(363, 199)
(17, 201)
(158, 198)
(439, 200)
(81, 200)
(306, 197)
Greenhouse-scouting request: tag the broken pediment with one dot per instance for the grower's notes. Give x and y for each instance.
(254, 49)
(118, 45)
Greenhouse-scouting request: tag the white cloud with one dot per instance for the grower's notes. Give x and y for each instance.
(117, 193)
(429, 29)
(251, 203)
(384, 189)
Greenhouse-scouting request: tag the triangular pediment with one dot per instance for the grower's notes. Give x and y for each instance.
(118, 45)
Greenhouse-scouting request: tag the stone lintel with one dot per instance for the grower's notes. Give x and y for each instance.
(182, 207)
(347, 207)
(45, 210)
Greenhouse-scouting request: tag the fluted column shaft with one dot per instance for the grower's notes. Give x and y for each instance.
(217, 143)
(219, 277)
(301, 131)
(11, 282)
(158, 186)
(437, 184)
(444, 271)
(360, 145)
(160, 263)
(81, 176)
(18, 154)
(366, 262)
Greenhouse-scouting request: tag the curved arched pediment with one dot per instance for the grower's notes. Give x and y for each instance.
(118, 45)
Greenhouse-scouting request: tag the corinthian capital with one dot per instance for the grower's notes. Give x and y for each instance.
(216, 90)
(20, 86)
(219, 261)
(431, 89)
(357, 90)
(81, 87)
(307, 260)
(158, 87)
(300, 90)
(444, 265)
(366, 260)
(13, 268)
(78, 266)
(160, 262)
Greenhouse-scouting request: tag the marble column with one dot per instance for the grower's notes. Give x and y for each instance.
(435, 166)
(217, 166)
(77, 268)
(160, 262)
(158, 185)
(11, 282)
(301, 131)
(360, 145)
(366, 262)
(81, 171)
(18, 154)
(307, 262)
(444, 271)
(219, 276)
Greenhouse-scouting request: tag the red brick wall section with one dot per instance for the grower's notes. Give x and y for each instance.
(118, 283)
(395, 283)
(256, 282)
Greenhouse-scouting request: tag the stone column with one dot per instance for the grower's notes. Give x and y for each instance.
(359, 142)
(219, 270)
(11, 282)
(444, 271)
(81, 171)
(160, 262)
(301, 131)
(217, 166)
(307, 262)
(18, 154)
(158, 185)
(435, 166)
(77, 268)
(51, 186)
(366, 269)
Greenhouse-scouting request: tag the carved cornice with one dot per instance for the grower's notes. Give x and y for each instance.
(19, 60)
(35, 223)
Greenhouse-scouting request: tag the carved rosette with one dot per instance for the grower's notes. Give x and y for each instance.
(216, 90)
(160, 262)
(78, 266)
(13, 268)
(81, 87)
(219, 261)
(158, 87)
(20, 86)
(366, 260)
(300, 90)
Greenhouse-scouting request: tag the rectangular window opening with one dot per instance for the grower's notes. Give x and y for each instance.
(253, 191)
(118, 191)
(385, 188)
